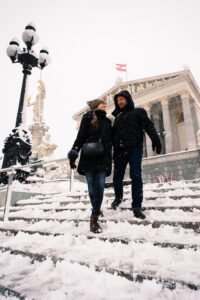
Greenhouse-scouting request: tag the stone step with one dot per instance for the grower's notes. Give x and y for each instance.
(121, 214)
(177, 197)
(111, 193)
(9, 231)
(41, 257)
(195, 226)
(165, 282)
(174, 197)
(87, 201)
(165, 190)
(121, 230)
(8, 292)
(184, 183)
(50, 202)
(159, 208)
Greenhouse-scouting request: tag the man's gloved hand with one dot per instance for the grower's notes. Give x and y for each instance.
(157, 146)
(72, 155)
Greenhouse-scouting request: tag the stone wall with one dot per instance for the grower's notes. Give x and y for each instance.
(182, 165)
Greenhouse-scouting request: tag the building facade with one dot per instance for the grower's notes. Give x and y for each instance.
(172, 101)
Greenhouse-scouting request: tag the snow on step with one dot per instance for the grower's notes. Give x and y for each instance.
(60, 281)
(151, 215)
(105, 254)
(124, 230)
(66, 280)
(138, 258)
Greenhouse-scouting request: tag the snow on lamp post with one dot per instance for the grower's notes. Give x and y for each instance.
(17, 147)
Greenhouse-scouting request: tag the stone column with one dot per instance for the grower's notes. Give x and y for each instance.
(147, 107)
(198, 139)
(188, 121)
(167, 124)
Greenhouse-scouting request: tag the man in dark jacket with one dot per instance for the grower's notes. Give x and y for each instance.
(128, 131)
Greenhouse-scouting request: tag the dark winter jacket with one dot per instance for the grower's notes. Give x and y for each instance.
(86, 134)
(130, 124)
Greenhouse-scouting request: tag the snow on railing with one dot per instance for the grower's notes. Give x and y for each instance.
(20, 167)
(11, 172)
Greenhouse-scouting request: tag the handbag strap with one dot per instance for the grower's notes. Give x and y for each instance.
(101, 131)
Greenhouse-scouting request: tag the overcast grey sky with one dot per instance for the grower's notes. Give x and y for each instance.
(85, 39)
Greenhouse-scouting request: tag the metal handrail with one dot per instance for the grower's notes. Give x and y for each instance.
(11, 172)
(17, 167)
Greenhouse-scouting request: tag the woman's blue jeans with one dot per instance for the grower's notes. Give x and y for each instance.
(96, 182)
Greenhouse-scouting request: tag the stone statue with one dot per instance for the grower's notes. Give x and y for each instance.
(45, 148)
(41, 144)
(119, 80)
(38, 105)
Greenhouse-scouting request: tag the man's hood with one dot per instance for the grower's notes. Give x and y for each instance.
(130, 104)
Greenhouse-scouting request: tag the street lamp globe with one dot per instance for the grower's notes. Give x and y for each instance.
(13, 49)
(29, 36)
(44, 58)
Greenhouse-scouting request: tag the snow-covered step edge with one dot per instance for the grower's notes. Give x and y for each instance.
(132, 276)
(107, 203)
(44, 287)
(164, 244)
(8, 292)
(41, 257)
(123, 230)
(63, 203)
(195, 226)
(60, 209)
(167, 215)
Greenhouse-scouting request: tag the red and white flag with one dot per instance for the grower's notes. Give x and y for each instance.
(121, 67)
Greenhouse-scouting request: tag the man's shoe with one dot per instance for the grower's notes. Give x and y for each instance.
(139, 214)
(94, 226)
(116, 203)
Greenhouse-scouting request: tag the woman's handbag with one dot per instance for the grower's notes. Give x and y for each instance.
(93, 149)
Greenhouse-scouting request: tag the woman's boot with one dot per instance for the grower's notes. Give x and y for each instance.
(94, 226)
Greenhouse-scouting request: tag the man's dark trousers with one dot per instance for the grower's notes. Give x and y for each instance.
(122, 157)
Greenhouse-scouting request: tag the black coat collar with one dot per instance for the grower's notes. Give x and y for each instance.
(100, 113)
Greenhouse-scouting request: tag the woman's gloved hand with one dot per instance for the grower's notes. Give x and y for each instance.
(72, 155)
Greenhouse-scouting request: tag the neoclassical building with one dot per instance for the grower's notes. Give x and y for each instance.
(172, 101)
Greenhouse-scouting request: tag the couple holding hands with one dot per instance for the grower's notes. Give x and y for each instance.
(95, 139)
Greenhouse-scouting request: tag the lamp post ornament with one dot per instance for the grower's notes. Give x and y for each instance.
(17, 146)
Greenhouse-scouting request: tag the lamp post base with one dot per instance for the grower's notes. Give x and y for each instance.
(17, 150)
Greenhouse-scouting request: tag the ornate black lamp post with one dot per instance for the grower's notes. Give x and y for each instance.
(17, 147)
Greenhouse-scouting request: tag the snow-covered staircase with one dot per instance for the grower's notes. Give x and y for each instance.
(48, 252)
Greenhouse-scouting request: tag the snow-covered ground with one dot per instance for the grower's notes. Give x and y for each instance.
(166, 246)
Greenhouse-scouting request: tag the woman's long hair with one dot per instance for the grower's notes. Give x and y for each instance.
(94, 121)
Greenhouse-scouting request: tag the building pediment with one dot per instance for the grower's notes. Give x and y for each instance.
(150, 89)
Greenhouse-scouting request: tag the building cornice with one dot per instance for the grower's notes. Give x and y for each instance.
(184, 78)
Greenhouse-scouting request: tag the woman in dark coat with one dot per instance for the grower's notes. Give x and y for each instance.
(94, 127)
